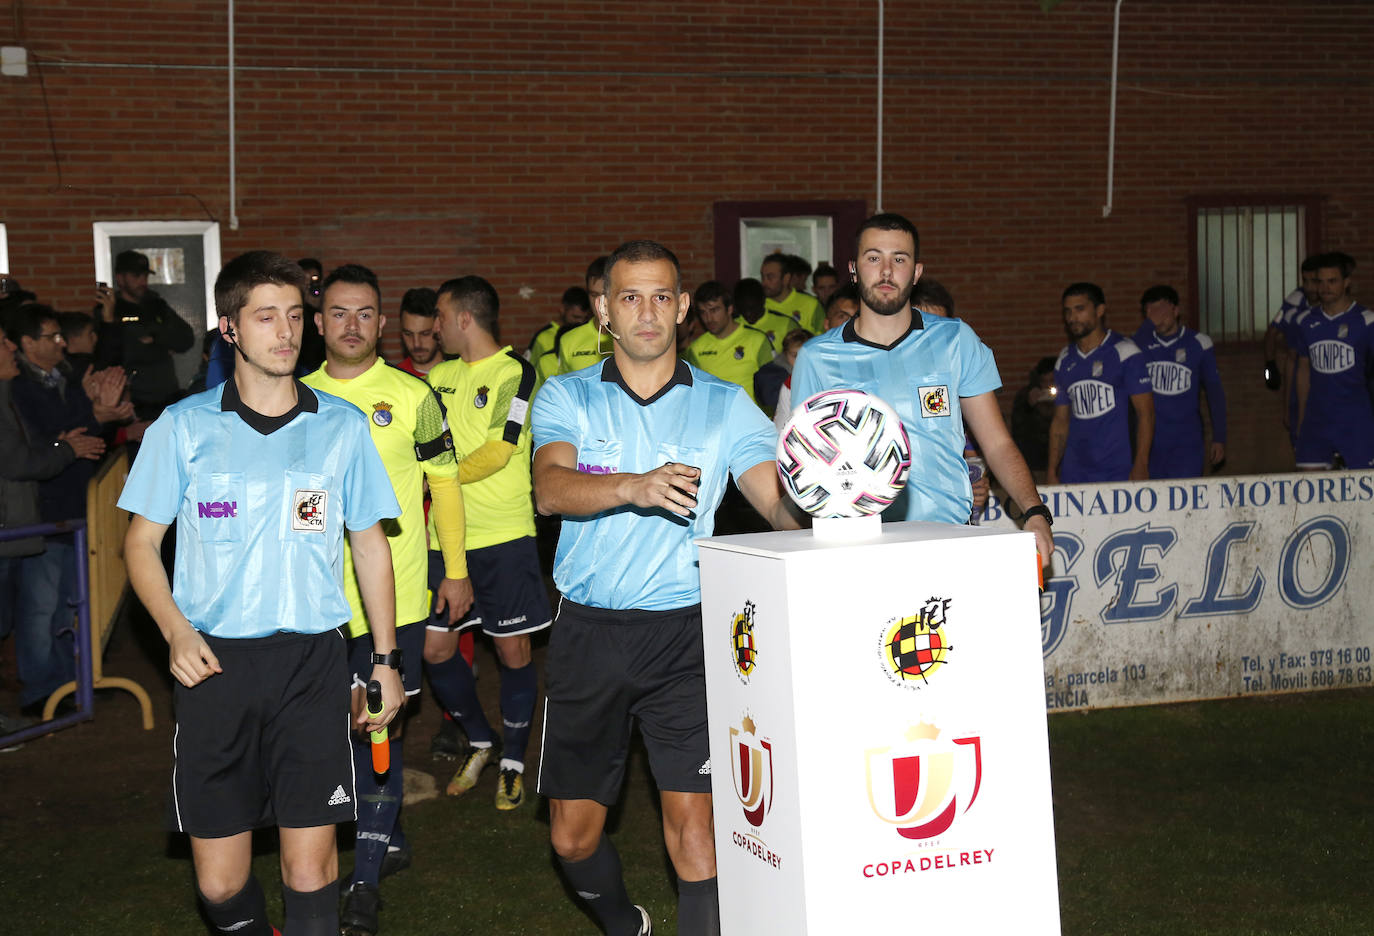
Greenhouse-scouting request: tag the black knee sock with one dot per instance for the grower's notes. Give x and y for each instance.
(244, 914)
(698, 908)
(598, 881)
(312, 914)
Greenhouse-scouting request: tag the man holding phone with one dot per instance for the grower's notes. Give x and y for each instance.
(138, 329)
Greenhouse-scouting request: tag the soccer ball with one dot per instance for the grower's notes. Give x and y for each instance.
(844, 453)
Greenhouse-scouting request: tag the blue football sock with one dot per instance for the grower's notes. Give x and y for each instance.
(456, 690)
(379, 805)
(519, 687)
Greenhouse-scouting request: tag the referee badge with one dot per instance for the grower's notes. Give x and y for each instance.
(934, 400)
(308, 511)
(480, 400)
(739, 352)
(381, 414)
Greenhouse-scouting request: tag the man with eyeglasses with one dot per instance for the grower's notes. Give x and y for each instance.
(52, 402)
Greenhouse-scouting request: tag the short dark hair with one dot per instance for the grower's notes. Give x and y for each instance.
(1091, 290)
(890, 221)
(847, 291)
(824, 269)
(795, 265)
(577, 296)
(797, 336)
(1338, 260)
(27, 321)
(1312, 263)
(240, 276)
(749, 298)
(355, 274)
(1162, 292)
(644, 251)
(310, 263)
(596, 269)
(74, 323)
(478, 298)
(929, 292)
(710, 291)
(419, 301)
(779, 258)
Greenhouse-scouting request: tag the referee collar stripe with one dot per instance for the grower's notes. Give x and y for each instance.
(231, 402)
(682, 375)
(851, 334)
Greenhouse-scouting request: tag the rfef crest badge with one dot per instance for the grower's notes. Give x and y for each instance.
(751, 768)
(913, 648)
(309, 510)
(381, 414)
(480, 400)
(921, 786)
(934, 400)
(744, 652)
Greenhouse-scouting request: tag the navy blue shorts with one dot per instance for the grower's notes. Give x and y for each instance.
(508, 590)
(410, 640)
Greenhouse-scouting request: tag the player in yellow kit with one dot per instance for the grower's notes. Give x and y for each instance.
(407, 424)
(487, 395)
(728, 349)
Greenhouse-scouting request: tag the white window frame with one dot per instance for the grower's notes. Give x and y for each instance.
(208, 231)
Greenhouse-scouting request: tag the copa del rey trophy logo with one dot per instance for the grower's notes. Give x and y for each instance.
(920, 787)
(751, 767)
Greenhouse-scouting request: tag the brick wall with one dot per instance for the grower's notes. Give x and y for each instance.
(520, 139)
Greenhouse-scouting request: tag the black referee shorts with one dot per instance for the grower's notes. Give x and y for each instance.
(266, 742)
(607, 670)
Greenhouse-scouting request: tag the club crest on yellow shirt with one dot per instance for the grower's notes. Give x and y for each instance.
(381, 414)
(480, 400)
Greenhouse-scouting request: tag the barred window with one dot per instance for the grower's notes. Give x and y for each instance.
(1246, 259)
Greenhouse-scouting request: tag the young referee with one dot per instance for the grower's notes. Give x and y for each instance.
(634, 453)
(262, 476)
(407, 424)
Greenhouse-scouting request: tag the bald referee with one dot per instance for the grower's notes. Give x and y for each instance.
(635, 452)
(262, 476)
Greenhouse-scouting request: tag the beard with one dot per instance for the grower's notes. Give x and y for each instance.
(1079, 330)
(874, 300)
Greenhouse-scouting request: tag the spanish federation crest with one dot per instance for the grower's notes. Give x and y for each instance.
(480, 400)
(934, 400)
(381, 414)
(744, 651)
(914, 647)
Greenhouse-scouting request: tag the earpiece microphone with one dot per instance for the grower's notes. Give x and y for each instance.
(229, 333)
(606, 324)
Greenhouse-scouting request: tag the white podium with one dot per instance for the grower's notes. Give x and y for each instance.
(878, 745)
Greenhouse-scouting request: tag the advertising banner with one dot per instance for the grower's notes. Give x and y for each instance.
(1166, 591)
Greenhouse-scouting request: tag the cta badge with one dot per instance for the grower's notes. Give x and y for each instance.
(743, 650)
(934, 401)
(309, 510)
(920, 787)
(912, 649)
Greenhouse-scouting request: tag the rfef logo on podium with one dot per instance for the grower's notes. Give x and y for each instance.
(744, 651)
(914, 647)
(923, 785)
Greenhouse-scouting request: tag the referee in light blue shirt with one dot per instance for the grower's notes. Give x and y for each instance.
(262, 476)
(634, 453)
(934, 371)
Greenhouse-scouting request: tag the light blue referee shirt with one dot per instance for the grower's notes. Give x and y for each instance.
(628, 557)
(922, 376)
(261, 504)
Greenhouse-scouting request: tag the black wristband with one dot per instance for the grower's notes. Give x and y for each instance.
(392, 659)
(1039, 510)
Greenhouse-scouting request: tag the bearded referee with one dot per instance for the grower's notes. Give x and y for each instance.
(634, 453)
(262, 476)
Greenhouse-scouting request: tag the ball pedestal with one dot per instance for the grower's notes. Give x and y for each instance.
(836, 530)
(879, 758)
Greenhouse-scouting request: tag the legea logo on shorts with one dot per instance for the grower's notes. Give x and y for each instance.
(217, 509)
(744, 653)
(923, 784)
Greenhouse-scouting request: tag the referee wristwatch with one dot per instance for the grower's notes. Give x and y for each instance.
(1039, 510)
(392, 659)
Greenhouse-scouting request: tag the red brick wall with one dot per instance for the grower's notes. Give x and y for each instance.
(520, 139)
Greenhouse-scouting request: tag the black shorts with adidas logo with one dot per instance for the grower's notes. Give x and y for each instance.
(265, 742)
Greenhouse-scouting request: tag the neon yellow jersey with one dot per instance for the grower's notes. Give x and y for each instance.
(408, 427)
(735, 358)
(803, 307)
(489, 401)
(542, 341)
(582, 347)
(545, 366)
(774, 326)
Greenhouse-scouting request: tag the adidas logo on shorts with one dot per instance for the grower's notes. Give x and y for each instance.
(338, 797)
(705, 769)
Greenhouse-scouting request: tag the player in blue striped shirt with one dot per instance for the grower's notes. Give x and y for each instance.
(1181, 363)
(1096, 374)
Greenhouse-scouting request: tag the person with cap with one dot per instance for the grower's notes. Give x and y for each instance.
(138, 329)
